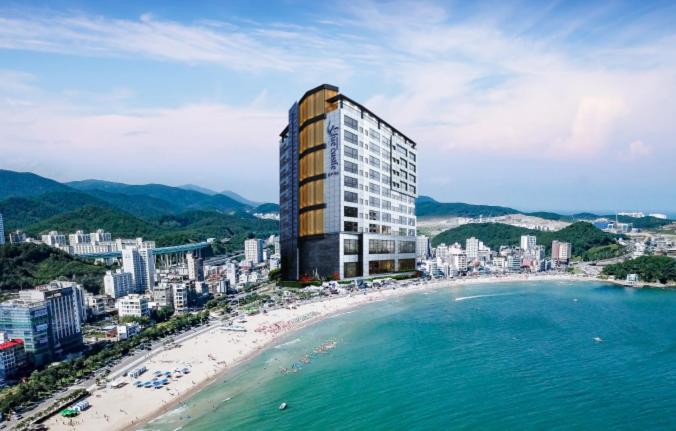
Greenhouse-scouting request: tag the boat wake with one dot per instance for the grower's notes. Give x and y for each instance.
(464, 298)
(288, 343)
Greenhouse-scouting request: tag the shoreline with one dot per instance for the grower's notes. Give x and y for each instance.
(216, 353)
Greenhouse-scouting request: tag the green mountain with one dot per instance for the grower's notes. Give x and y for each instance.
(267, 208)
(582, 235)
(22, 266)
(142, 206)
(426, 207)
(648, 268)
(91, 217)
(23, 184)
(166, 230)
(19, 212)
(181, 198)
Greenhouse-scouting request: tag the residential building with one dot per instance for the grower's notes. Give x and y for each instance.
(100, 236)
(13, 359)
(141, 265)
(66, 308)
(54, 239)
(180, 292)
(561, 251)
(661, 216)
(513, 263)
(2, 230)
(163, 294)
(276, 246)
(472, 248)
(195, 267)
(117, 284)
(253, 250)
(17, 237)
(348, 183)
(96, 304)
(132, 305)
(528, 242)
(422, 247)
(28, 320)
(79, 237)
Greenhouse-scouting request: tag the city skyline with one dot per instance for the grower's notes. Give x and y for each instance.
(567, 103)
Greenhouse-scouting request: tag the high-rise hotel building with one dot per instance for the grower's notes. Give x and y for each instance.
(347, 189)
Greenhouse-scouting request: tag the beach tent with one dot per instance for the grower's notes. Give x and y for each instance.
(68, 413)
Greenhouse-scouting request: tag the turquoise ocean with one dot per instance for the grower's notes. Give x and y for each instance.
(522, 356)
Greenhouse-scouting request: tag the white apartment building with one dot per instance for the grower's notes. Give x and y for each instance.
(195, 267)
(163, 294)
(132, 305)
(117, 284)
(79, 237)
(253, 250)
(100, 236)
(54, 239)
(422, 247)
(528, 242)
(348, 183)
(180, 293)
(141, 265)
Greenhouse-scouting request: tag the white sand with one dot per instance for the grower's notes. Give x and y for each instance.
(214, 351)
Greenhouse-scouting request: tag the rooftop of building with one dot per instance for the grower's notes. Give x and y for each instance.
(340, 97)
(11, 343)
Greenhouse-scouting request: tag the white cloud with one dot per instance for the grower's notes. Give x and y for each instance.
(457, 85)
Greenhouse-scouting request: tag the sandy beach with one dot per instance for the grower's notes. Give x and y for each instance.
(214, 351)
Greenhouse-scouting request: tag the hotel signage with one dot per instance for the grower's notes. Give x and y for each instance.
(333, 132)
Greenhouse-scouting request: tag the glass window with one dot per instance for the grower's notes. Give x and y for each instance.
(350, 182)
(351, 152)
(387, 217)
(350, 137)
(406, 264)
(381, 266)
(374, 188)
(351, 122)
(373, 161)
(350, 246)
(351, 197)
(381, 246)
(407, 247)
(351, 269)
(351, 226)
(374, 175)
(351, 167)
(350, 212)
(374, 202)
(374, 134)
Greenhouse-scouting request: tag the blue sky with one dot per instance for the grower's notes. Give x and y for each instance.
(536, 105)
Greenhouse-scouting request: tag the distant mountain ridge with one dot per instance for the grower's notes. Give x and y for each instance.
(240, 198)
(427, 207)
(24, 184)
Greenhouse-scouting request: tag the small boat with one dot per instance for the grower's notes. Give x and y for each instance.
(598, 339)
(282, 406)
